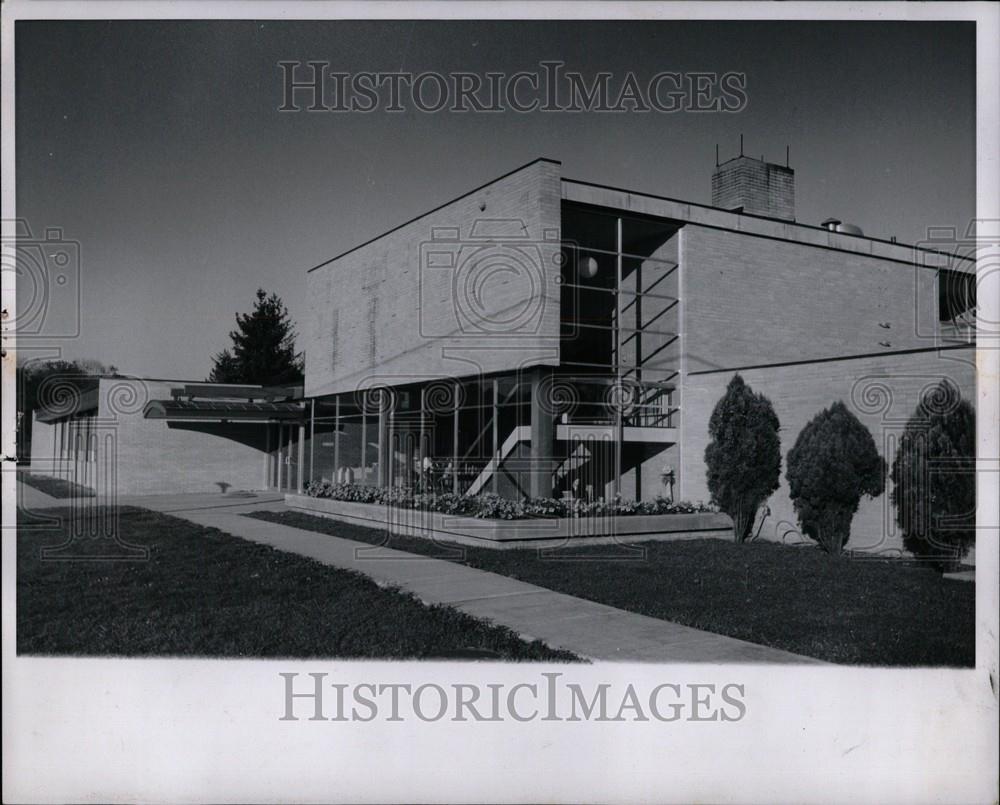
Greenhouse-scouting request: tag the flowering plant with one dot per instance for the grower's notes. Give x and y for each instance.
(488, 506)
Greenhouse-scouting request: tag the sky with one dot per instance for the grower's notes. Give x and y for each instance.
(158, 147)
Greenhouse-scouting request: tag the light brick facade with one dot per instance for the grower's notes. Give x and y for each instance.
(882, 391)
(807, 315)
(752, 299)
(474, 289)
(755, 187)
(423, 301)
(117, 450)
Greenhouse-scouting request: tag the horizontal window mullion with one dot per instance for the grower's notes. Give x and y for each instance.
(623, 291)
(612, 328)
(611, 253)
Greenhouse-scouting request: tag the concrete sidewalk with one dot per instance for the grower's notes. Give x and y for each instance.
(588, 629)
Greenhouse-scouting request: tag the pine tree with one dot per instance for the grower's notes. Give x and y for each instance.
(743, 459)
(224, 369)
(934, 477)
(263, 350)
(833, 463)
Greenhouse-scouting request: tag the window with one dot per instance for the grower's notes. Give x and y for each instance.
(956, 295)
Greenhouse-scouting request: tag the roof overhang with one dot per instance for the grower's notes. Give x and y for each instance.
(84, 403)
(224, 411)
(226, 391)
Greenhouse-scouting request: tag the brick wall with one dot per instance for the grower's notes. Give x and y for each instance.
(882, 392)
(760, 188)
(396, 311)
(152, 456)
(752, 300)
(42, 443)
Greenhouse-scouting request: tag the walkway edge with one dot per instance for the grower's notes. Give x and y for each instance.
(589, 629)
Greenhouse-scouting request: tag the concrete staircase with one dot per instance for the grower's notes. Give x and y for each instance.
(522, 433)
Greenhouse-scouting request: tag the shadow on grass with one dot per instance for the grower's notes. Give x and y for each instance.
(54, 487)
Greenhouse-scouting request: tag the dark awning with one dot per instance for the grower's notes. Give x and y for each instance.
(71, 405)
(228, 391)
(234, 410)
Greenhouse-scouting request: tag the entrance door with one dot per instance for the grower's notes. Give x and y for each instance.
(291, 475)
(283, 458)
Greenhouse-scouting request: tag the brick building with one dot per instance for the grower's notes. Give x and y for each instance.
(142, 436)
(543, 336)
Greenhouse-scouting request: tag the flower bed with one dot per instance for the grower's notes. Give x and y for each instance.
(540, 530)
(493, 507)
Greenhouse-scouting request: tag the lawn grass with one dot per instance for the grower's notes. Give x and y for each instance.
(205, 593)
(55, 487)
(857, 611)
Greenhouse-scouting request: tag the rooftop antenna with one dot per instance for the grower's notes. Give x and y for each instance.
(741, 145)
(787, 148)
(716, 155)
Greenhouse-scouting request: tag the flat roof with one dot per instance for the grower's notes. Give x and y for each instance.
(88, 396)
(176, 380)
(435, 209)
(808, 234)
(82, 402)
(692, 212)
(189, 410)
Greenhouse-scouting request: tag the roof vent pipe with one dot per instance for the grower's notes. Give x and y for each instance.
(836, 225)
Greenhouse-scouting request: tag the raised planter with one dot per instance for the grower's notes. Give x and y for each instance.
(519, 533)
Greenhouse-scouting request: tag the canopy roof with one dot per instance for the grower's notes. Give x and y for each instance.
(235, 410)
(228, 391)
(73, 405)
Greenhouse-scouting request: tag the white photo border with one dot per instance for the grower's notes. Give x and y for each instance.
(125, 730)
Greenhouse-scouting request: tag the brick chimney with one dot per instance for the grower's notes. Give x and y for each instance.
(754, 186)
